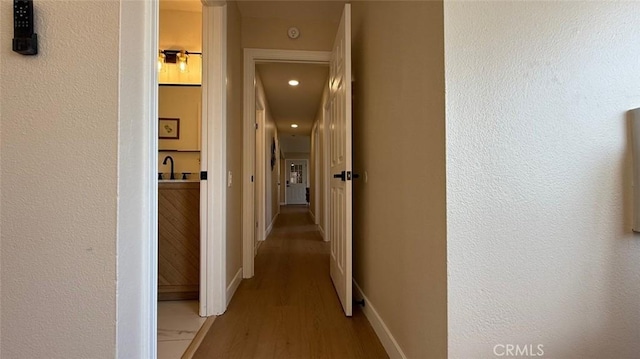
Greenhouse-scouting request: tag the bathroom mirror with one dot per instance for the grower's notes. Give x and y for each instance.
(183, 102)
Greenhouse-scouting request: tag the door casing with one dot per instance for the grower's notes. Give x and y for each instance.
(137, 242)
(251, 57)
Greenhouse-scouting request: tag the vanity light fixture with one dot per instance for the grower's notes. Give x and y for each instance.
(294, 82)
(293, 125)
(178, 57)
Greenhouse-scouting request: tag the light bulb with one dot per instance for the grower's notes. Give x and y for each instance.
(161, 58)
(182, 62)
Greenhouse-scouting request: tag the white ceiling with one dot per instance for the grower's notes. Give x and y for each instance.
(289, 104)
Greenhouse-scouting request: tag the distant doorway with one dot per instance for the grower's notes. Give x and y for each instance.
(297, 181)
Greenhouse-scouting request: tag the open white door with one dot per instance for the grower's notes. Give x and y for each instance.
(340, 161)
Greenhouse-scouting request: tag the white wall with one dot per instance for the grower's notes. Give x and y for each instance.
(540, 249)
(59, 146)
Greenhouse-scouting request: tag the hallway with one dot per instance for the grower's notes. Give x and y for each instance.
(290, 309)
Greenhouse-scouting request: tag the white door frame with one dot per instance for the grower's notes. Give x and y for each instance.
(213, 270)
(326, 167)
(286, 178)
(260, 173)
(315, 134)
(137, 235)
(251, 57)
(137, 226)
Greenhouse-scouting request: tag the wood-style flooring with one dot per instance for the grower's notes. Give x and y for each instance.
(289, 309)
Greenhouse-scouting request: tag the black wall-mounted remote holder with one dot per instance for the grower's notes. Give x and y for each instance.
(25, 40)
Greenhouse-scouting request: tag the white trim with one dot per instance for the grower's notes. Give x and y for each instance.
(137, 199)
(316, 170)
(260, 172)
(382, 331)
(283, 203)
(326, 167)
(197, 340)
(233, 286)
(270, 228)
(213, 247)
(251, 56)
(313, 216)
(324, 235)
(204, 161)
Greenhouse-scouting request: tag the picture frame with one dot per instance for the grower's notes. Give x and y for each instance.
(273, 153)
(169, 128)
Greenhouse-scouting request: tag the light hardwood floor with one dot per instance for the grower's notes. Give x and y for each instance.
(290, 309)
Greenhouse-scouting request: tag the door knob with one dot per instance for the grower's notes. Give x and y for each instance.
(346, 176)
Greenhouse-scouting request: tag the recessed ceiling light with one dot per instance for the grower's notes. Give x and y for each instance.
(294, 125)
(294, 82)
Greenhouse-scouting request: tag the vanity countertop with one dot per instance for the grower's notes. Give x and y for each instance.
(178, 181)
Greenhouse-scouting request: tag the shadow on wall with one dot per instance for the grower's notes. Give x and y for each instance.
(358, 128)
(620, 309)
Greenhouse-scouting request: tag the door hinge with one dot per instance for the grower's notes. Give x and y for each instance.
(251, 178)
(203, 175)
(256, 125)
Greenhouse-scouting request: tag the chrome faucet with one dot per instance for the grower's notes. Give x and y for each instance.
(165, 162)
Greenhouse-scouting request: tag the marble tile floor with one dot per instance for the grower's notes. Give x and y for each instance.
(178, 323)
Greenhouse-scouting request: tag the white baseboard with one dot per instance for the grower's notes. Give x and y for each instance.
(283, 203)
(386, 338)
(197, 340)
(313, 216)
(233, 286)
(268, 231)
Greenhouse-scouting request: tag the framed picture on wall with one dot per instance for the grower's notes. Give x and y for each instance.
(169, 128)
(273, 153)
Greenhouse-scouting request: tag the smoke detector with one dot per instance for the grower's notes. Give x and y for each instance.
(293, 32)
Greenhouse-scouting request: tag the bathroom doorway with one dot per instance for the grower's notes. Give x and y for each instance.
(180, 109)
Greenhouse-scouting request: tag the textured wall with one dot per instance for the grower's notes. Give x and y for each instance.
(234, 141)
(398, 132)
(540, 249)
(59, 137)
